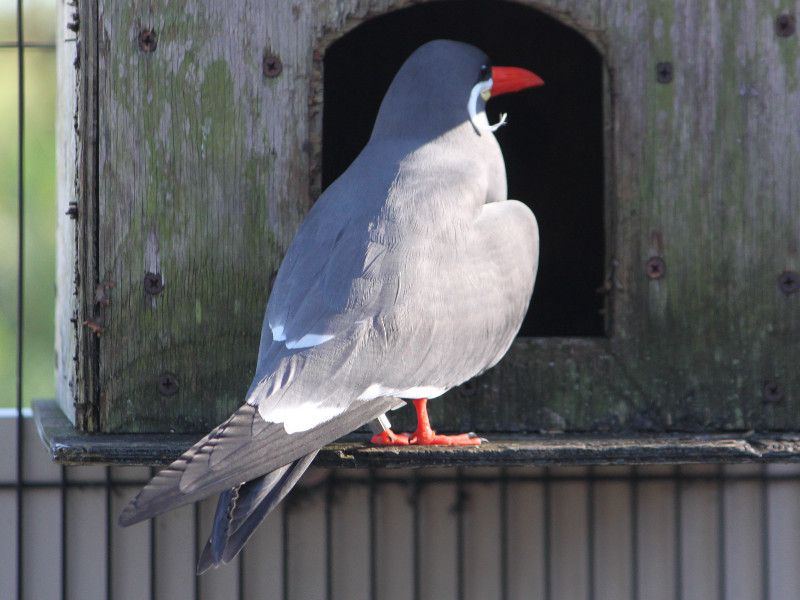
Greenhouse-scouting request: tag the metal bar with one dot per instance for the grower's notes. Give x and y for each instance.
(415, 536)
(329, 489)
(6, 44)
(458, 508)
(634, 484)
(240, 575)
(428, 481)
(20, 287)
(503, 534)
(64, 532)
(285, 550)
(722, 592)
(590, 526)
(373, 537)
(153, 553)
(109, 544)
(196, 549)
(548, 515)
(765, 553)
(678, 518)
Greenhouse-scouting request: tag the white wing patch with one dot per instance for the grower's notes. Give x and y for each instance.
(308, 340)
(301, 417)
(277, 332)
(421, 391)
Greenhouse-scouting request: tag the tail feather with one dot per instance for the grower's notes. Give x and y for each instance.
(241, 509)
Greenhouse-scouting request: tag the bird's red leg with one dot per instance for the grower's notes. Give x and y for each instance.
(425, 436)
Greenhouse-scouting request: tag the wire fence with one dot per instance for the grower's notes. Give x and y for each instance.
(661, 532)
(705, 531)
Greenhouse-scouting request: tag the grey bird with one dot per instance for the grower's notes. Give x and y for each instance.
(410, 275)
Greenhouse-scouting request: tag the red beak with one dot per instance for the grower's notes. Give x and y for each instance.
(513, 79)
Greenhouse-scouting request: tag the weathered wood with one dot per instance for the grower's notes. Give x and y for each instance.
(205, 168)
(71, 447)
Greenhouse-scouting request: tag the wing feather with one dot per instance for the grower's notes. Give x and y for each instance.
(271, 449)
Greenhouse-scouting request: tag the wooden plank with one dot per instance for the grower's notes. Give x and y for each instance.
(195, 165)
(67, 151)
(68, 446)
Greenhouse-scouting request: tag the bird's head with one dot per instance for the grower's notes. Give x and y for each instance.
(444, 83)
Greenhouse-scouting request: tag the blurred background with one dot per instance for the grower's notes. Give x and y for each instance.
(39, 189)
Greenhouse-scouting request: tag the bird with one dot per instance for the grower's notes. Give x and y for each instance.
(410, 275)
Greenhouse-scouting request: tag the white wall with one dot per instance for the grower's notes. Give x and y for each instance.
(694, 537)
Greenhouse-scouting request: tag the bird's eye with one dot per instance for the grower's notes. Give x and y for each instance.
(486, 73)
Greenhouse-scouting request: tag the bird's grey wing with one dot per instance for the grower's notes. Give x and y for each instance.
(258, 447)
(241, 509)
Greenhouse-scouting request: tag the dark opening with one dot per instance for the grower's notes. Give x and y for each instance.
(553, 145)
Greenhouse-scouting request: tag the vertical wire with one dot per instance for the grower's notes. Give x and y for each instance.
(634, 484)
(109, 545)
(590, 521)
(153, 569)
(20, 285)
(765, 554)
(285, 550)
(722, 592)
(196, 547)
(503, 534)
(153, 550)
(415, 537)
(240, 575)
(548, 513)
(459, 510)
(373, 537)
(63, 489)
(329, 535)
(678, 518)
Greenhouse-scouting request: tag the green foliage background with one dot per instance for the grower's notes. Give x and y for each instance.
(40, 215)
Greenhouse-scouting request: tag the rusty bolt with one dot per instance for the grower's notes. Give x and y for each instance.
(72, 211)
(167, 384)
(153, 283)
(148, 40)
(272, 65)
(785, 25)
(655, 267)
(664, 72)
(789, 282)
(772, 392)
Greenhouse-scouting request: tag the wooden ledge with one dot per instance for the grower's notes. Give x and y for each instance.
(70, 447)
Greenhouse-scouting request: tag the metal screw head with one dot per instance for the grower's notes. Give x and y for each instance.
(272, 65)
(153, 284)
(785, 25)
(167, 384)
(664, 72)
(772, 392)
(789, 282)
(148, 40)
(72, 211)
(655, 267)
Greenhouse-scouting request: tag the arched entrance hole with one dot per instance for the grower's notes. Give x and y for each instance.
(553, 145)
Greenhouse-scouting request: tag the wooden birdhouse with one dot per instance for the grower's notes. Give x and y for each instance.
(662, 159)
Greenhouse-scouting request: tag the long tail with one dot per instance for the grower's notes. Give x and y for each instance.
(241, 509)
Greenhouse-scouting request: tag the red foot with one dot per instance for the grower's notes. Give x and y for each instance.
(424, 435)
(390, 438)
(431, 438)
